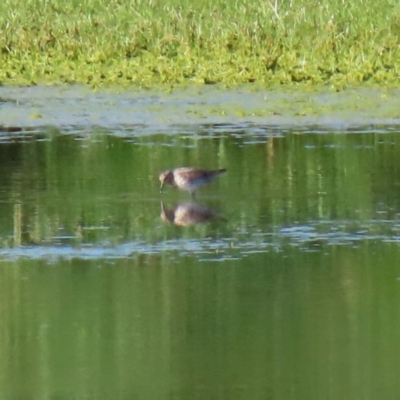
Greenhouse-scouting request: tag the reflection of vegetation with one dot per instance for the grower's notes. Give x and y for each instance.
(147, 42)
(303, 322)
(102, 189)
(99, 330)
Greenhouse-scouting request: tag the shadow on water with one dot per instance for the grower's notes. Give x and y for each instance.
(278, 281)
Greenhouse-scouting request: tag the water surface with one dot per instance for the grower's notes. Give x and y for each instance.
(280, 280)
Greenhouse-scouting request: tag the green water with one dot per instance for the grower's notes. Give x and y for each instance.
(290, 291)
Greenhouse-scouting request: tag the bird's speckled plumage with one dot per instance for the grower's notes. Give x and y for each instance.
(188, 178)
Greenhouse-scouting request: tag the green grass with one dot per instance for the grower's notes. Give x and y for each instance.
(179, 41)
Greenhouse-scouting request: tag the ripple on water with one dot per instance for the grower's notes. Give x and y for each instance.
(315, 236)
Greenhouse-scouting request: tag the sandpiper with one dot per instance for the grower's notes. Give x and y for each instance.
(188, 178)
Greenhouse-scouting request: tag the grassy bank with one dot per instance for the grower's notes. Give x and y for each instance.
(208, 41)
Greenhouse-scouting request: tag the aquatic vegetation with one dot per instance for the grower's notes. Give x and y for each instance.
(154, 42)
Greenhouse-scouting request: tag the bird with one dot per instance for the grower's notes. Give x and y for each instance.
(188, 178)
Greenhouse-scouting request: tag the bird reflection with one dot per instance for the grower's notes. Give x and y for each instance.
(188, 213)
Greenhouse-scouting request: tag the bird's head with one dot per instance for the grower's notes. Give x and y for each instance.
(166, 177)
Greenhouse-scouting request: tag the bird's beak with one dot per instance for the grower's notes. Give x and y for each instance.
(162, 186)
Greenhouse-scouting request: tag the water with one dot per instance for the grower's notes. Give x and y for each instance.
(280, 281)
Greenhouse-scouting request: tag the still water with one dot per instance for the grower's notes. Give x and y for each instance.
(280, 280)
